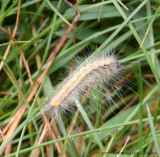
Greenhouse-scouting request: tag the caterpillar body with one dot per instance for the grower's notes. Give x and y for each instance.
(99, 69)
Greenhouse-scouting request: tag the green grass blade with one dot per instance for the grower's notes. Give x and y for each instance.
(88, 122)
(153, 130)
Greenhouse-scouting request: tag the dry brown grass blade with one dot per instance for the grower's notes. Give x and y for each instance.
(50, 131)
(13, 35)
(38, 59)
(58, 145)
(123, 147)
(47, 128)
(15, 123)
(26, 65)
(8, 125)
(6, 93)
(4, 30)
(36, 151)
(52, 134)
(8, 148)
(22, 55)
(80, 139)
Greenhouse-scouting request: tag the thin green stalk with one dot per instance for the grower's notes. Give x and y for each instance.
(153, 130)
(140, 126)
(85, 117)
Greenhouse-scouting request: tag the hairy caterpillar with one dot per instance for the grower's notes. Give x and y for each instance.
(99, 69)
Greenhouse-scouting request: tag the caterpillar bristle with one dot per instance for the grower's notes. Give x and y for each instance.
(98, 69)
